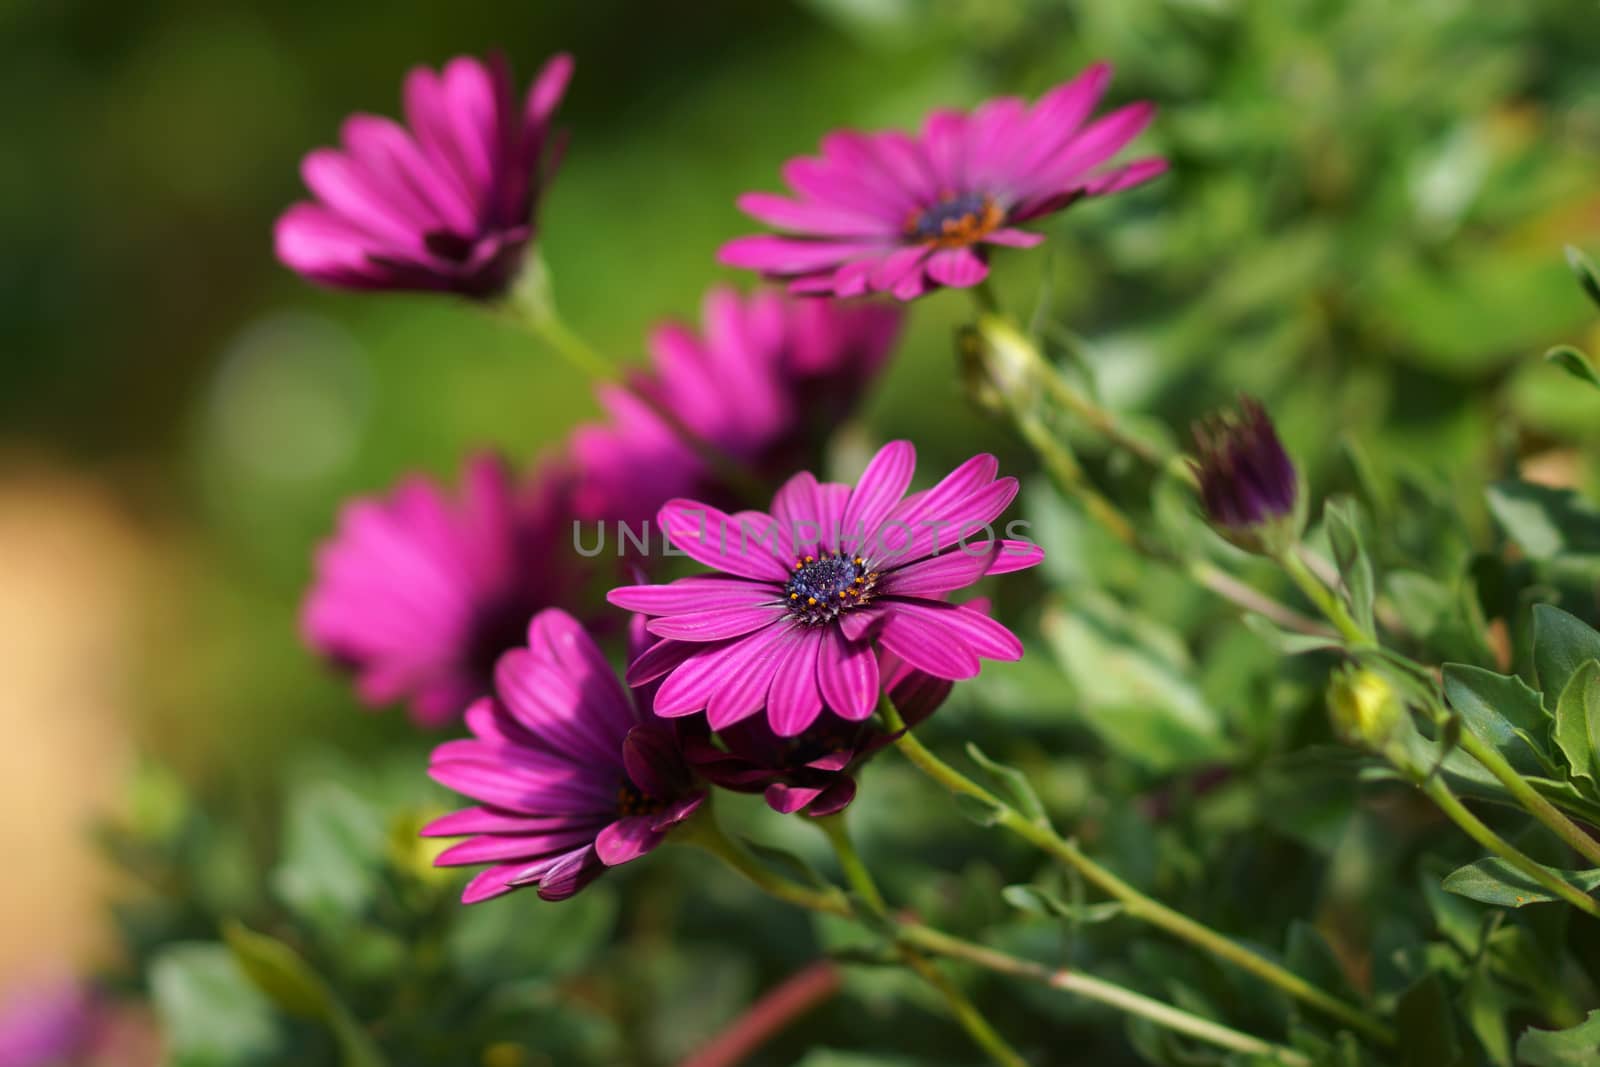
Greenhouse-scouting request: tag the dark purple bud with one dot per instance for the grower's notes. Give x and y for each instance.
(1247, 480)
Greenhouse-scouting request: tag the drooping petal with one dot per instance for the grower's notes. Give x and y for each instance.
(847, 673)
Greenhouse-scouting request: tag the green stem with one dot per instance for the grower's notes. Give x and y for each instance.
(1326, 600)
(1475, 829)
(855, 871)
(1486, 754)
(1137, 904)
(1010, 356)
(702, 831)
(943, 944)
(1101, 991)
(1068, 475)
(532, 306)
(1530, 799)
(966, 1013)
(1048, 376)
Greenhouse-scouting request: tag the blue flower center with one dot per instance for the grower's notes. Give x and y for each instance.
(822, 587)
(956, 220)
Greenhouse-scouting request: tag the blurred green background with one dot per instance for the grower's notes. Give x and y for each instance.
(1363, 224)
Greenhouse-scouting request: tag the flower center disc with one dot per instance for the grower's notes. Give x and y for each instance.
(631, 800)
(821, 588)
(956, 221)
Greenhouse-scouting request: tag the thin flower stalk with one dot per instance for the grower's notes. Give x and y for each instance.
(703, 832)
(1520, 789)
(1138, 905)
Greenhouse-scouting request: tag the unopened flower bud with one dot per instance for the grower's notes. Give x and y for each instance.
(1364, 707)
(1248, 485)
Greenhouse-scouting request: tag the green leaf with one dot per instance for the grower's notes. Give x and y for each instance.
(278, 971)
(1286, 642)
(1584, 271)
(284, 976)
(1309, 955)
(1561, 644)
(1013, 784)
(1577, 719)
(210, 1013)
(1578, 1046)
(1134, 682)
(1037, 900)
(1340, 522)
(979, 811)
(1494, 881)
(1485, 1002)
(333, 853)
(1545, 522)
(1574, 363)
(1427, 1027)
(793, 865)
(1504, 711)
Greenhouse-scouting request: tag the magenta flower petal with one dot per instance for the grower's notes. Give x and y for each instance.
(747, 674)
(570, 778)
(1015, 556)
(809, 654)
(901, 214)
(707, 535)
(847, 673)
(958, 568)
(418, 594)
(795, 699)
(691, 594)
(927, 643)
(717, 624)
(626, 839)
(881, 487)
(957, 267)
(445, 205)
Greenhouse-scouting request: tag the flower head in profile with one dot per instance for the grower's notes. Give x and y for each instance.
(418, 594)
(1248, 486)
(572, 775)
(445, 203)
(764, 380)
(811, 592)
(898, 213)
(814, 772)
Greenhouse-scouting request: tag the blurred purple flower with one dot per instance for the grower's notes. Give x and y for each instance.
(1247, 480)
(891, 212)
(49, 1024)
(814, 772)
(765, 381)
(446, 204)
(815, 588)
(571, 774)
(419, 594)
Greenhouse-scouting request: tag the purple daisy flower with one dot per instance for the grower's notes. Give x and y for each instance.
(1247, 481)
(815, 588)
(447, 204)
(419, 594)
(814, 772)
(891, 212)
(572, 775)
(767, 378)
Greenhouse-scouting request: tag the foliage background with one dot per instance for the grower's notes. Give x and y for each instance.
(1363, 225)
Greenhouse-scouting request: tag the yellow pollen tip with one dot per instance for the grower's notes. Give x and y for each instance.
(858, 561)
(794, 596)
(811, 600)
(811, 559)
